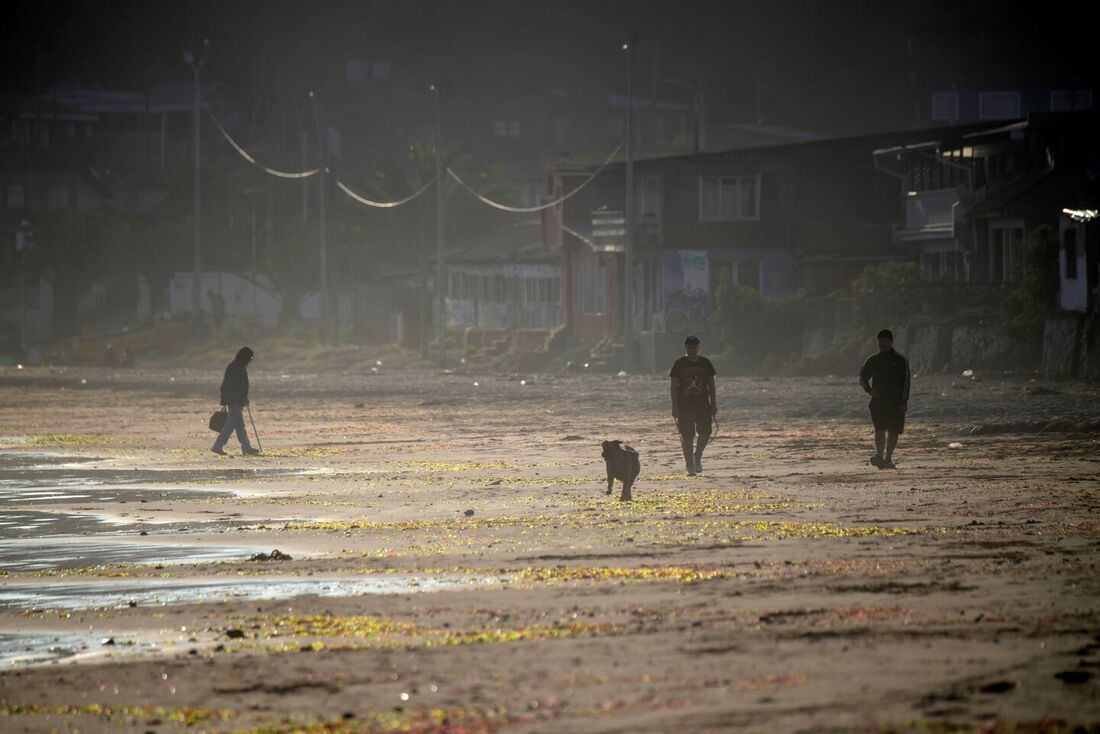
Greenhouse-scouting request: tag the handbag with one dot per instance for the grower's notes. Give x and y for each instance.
(217, 419)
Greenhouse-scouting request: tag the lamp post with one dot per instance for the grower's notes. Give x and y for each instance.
(196, 275)
(24, 241)
(441, 262)
(628, 246)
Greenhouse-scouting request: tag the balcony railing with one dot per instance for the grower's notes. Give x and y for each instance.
(929, 215)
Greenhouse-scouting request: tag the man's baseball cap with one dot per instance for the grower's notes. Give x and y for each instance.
(692, 339)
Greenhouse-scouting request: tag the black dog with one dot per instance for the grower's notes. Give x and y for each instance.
(622, 464)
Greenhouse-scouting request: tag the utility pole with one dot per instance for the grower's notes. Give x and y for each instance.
(24, 240)
(441, 262)
(196, 275)
(252, 195)
(326, 306)
(628, 255)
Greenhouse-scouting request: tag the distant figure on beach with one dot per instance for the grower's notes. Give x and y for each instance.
(885, 376)
(217, 309)
(694, 402)
(234, 395)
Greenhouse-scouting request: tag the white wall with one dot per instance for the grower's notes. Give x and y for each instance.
(1073, 294)
(238, 292)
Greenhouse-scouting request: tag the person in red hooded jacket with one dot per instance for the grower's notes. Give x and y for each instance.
(234, 396)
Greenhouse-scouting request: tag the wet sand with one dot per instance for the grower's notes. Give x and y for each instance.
(791, 588)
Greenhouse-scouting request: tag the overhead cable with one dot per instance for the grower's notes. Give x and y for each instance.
(540, 207)
(383, 204)
(253, 161)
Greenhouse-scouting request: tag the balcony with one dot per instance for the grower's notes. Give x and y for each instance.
(929, 215)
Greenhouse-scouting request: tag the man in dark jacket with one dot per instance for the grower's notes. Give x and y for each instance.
(235, 396)
(885, 376)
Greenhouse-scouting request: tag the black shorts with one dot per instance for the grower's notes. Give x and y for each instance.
(887, 416)
(689, 425)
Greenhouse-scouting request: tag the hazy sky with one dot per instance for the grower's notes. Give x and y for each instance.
(832, 66)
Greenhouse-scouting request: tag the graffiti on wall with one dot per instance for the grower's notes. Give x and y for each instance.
(686, 283)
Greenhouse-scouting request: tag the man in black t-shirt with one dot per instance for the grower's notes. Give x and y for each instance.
(694, 402)
(885, 376)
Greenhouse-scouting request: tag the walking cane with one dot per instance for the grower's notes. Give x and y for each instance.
(254, 431)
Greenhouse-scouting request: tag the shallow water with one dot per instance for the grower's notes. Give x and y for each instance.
(37, 539)
(36, 649)
(31, 554)
(124, 593)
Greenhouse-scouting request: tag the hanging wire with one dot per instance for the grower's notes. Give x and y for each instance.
(383, 204)
(253, 161)
(540, 207)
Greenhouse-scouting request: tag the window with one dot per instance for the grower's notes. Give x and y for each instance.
(59, 196)
(649, 197)
(945, 106)
(1067, 100)
(88, 131)
(44, 133)
(1061, 101)
(382, 70)
(506, 129)
(1006, 252)
(729, 198)
(592, 287)
(999, 105)
(1069, 240)
(16, 196)
(70, 130)
(356, 70)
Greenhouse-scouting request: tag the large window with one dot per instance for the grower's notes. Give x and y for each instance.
(592, 287)
(729, 198)
(506, 128)
(1006, 252)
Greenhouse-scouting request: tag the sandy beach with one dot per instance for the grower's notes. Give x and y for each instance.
(455, 565)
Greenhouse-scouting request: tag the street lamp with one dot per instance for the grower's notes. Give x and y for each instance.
(628, 245)
(700, 120)
(196, 275)
(441, 262)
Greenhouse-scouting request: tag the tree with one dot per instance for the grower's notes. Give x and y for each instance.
(73, 249)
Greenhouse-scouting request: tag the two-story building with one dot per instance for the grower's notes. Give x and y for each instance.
(779, 219)
(972, 197)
